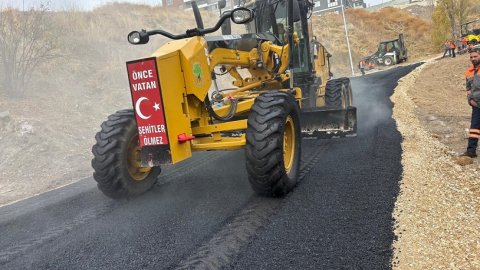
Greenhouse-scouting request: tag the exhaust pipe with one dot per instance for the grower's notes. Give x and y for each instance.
(198, 16)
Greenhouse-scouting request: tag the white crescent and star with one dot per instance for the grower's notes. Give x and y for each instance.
(139, 112)
(137, 108)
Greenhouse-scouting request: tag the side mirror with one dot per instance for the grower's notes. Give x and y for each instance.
(136, 37)
(222, 4)
(242, 15)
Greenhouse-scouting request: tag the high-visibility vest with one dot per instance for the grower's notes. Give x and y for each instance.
(472, 76)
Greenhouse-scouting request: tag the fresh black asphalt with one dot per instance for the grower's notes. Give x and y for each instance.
(203, 213)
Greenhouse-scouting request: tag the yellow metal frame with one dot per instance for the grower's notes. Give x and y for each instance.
(322, 70)
(184, 68)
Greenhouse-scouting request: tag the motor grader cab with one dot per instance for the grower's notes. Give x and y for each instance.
(278, 96)
(390, 52)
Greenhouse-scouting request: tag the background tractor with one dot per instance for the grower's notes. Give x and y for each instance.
(390, 52)
(471, 30)
(280, 91)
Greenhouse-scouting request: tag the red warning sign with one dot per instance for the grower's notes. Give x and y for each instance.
(147, 102)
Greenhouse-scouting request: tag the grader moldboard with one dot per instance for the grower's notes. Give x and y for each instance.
(288, 94)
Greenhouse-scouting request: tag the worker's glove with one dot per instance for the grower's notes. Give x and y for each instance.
(472, 102)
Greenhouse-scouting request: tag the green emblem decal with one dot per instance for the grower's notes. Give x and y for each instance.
(197, 71)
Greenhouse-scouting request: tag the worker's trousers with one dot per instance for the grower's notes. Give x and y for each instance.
(474, 130)
(449, 51)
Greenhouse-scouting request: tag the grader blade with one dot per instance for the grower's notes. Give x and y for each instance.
(329, 123)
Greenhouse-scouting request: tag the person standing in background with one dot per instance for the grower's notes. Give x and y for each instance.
(472, 75)
(459, 45)
(464, 43)
(446, 46)
(361, 65)
(452, 47)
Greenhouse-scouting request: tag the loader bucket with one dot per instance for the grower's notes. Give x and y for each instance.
(329, 123)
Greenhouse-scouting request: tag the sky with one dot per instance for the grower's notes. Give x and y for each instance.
(67, 4)
(90, 4)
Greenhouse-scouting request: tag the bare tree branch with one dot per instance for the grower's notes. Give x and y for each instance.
(26, 41)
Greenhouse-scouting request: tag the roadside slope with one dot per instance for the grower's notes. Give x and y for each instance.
(441, 103)
(366, 30)
(438, 210)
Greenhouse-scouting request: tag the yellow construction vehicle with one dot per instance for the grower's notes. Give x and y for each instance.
(471, 31)
(281, 91)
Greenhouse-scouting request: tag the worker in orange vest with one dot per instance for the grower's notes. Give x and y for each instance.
(446, 45)
(371, 65)
(458, 43)
(472, 75)
(469, 47)
(464, 43)
(361, 65)
(452, 47)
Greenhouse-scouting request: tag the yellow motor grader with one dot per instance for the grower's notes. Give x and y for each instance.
(281, 91)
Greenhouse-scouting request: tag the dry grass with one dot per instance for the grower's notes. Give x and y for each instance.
(367, 29)
(71, 96)
(442, 104)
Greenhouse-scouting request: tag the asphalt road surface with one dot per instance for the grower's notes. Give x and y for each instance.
(203, 214)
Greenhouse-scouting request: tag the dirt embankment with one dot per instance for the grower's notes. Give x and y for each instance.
(367, 29)
(47, 135)
(438, 210)
(441, 101)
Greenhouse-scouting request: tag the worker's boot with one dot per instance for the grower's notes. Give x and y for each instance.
(469, 154)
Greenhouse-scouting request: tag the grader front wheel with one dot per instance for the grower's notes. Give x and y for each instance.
(116, 161)
(273, 144)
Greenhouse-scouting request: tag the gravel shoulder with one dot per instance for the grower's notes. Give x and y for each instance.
(437, 210)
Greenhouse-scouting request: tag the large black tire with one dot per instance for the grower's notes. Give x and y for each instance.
(388, 61)
(272, 116)
(111, 159)
(338, 93)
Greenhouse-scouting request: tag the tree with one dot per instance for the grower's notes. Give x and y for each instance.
(26, 41)
(447, 17)
(454, 12)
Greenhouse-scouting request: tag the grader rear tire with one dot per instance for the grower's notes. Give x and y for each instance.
(338, 93)
(273, 144)
(116, 161)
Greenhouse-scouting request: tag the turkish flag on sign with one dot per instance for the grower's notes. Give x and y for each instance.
(147, 101)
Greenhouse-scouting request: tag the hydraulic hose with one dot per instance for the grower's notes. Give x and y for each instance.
(230, 114)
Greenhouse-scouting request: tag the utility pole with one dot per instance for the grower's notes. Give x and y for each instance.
(346, 35)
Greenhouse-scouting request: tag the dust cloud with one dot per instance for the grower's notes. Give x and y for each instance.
(47, 128)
